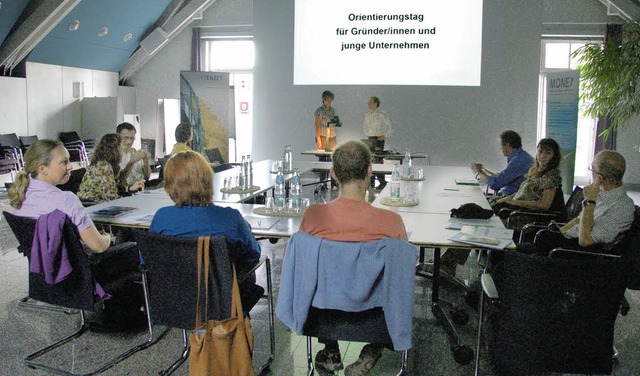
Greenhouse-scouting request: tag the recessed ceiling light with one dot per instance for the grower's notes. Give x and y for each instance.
(74, 25)
(127, 37)
(104, 31)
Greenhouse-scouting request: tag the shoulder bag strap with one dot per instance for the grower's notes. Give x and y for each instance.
(203, 256)
(236, 303)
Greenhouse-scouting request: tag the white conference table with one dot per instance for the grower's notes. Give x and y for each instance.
(147, 204)
(438, 192)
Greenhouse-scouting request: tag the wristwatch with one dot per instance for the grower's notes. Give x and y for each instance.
(588, 202)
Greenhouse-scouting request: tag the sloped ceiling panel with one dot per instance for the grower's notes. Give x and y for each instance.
(9, 14)
(628, 9)
(84, 48)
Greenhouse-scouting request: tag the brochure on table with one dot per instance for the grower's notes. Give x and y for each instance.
(484, 237)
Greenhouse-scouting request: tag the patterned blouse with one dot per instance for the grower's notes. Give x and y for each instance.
(533, 188)
(98, 183)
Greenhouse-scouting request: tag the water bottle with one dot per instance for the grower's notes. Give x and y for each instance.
(394, 196)
(288, 163)
(279, 192)
(243, 174)
(296, 191)
(407, 165)
(249, 171)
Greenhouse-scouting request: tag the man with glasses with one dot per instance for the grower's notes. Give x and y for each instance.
(607, 212)
(134, 166)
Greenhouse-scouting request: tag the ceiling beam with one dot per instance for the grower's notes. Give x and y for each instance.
(171, 27)
(36, 24)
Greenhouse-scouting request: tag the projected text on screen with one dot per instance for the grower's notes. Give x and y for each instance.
(376, 42)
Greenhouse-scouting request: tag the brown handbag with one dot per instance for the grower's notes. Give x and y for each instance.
(224, 347)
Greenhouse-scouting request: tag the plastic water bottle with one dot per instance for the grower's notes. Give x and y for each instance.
(288, 163)
(407, 165)
(249, 171)
(243, 174)
(394, 196)
(279, 192)
(296, 191)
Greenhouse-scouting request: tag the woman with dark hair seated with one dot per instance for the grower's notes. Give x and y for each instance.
(543, 179)
(188, 180)
(100, 182)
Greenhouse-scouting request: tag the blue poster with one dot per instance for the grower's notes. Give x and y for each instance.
(561, 120)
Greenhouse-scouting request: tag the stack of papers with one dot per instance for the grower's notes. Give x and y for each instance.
(112, 211)
(465, 181)
(484, 237)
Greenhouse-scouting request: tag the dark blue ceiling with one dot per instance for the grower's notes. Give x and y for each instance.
(83, 48)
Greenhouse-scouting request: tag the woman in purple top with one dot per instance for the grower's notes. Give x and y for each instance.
(35, 193)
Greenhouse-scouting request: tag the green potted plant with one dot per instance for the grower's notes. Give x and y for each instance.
(610, 75)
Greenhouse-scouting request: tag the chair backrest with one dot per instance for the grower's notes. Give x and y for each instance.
(10, 139)
(67, 137)
(556, 315)
(172, 275)
(75, 179)
(26, 141)
(574, 203)
(558, 205)
(75, 291)
(629, 249)
(320, 274)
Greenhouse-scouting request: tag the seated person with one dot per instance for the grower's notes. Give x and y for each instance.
(188, 180)
(134, 165)
(537, 193)
(519, 162)
(543, 179)
(607, 212)
(34, 193)
(349, 218)
(184, 135)
(100, 182)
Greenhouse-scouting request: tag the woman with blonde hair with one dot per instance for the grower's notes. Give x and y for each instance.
(34, 192)
(188, 180)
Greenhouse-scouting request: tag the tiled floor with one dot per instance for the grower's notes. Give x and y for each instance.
(24, 330)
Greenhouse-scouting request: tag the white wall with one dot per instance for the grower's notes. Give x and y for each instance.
(454, 125)
(13, 106)
(160, 77)
(43, 103)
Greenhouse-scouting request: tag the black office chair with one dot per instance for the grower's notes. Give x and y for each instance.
(75, 179)
(538, 220)
(77, 291)
(553, 315)
(169, 279)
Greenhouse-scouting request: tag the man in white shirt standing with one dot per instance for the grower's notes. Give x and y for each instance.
(377, 127)
(134, 166)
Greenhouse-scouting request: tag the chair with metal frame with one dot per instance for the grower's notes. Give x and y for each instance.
(11, 147)
(76, 146)
(311, 312)
(78, 290)
(169, 274)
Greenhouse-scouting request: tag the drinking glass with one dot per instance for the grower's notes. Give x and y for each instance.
(305, 204)
(289, 207)
(418, 173)
(276, 165)
(411, 196)
(268, 204)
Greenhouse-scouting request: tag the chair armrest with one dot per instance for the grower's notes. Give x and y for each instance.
(535, 216)
(488, 286)
(535, 226)
(114, 251)
(559, 251)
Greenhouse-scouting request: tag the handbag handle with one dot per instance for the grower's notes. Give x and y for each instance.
(203, 256)
(236, 302)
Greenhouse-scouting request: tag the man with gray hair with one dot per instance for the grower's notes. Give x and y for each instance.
(607, 212)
